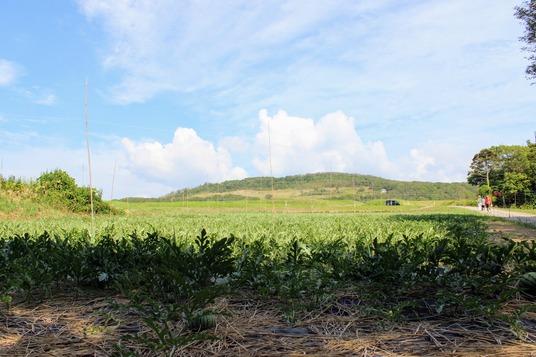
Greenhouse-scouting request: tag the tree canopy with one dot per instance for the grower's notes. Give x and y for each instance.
(508, 170)
(527, 14)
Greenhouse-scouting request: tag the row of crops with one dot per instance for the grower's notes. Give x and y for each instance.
(185, 225)
(400, 265)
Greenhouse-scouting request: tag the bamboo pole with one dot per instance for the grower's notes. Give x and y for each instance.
(83, 174)
(330, 184)
(220, 203)
(113, 181)
(270, 159)
(355, 192)
(86, 119)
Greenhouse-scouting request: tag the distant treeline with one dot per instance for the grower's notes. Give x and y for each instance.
(363, 187)
(215, 197)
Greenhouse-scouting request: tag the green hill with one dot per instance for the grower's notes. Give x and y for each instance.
(324, 186)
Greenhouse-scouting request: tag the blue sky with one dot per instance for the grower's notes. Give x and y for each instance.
(185, 92)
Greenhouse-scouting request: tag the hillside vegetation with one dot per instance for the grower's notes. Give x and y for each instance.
(54, 190)
(325, 186)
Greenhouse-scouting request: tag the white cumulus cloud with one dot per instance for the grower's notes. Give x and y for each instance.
(186, 160)
(301, 145)
(422, 162)
(46, 99)
(444, 161)
(234, 144)
(74, 161)
(9, 72)
(298, 145)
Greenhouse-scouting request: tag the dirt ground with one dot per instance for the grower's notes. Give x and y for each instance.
(505, 229)
(70, 325)
(526, 218)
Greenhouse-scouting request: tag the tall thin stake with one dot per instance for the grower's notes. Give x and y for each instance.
(270, 159)
(330, 184)
(113, 181)
(355, 192)
(86, 119)
(83, 174)
(219, 196)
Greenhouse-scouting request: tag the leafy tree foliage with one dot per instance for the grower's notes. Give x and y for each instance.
(482, 166)
(508, 170)
(515, 182)
(55, 188)
(55, 181)
(12, 184)
(58, 188)
(527, 14)
(484, 190)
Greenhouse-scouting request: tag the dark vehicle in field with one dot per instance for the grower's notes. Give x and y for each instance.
(392, 203)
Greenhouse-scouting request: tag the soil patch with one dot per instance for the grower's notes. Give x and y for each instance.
(75, 325)
(503, 229)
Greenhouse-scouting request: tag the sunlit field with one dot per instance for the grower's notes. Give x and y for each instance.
(222, 216)
(191, 272)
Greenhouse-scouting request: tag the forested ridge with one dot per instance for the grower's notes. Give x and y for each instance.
(357, 186)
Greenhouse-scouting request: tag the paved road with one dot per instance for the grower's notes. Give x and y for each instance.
(513, 216)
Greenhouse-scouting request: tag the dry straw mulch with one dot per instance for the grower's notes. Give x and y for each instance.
(87, 325)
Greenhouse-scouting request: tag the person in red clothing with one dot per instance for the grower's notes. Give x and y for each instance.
(487, 202)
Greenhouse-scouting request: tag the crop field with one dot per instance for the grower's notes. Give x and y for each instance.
(267, 178)
(212, 278)
(219, 217)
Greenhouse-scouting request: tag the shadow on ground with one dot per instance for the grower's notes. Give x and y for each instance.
(86, 325)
